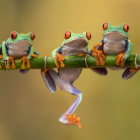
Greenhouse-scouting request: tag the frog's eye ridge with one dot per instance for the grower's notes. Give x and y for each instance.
(32, 35)
(88, 35)
(105, 25)
(13, 35)
(126, 28)
(67, 35)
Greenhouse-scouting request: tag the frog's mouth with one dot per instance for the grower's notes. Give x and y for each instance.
(20, 44)
(77, 43)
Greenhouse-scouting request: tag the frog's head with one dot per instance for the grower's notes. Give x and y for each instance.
(16, 37)
(122, 30)
(76, 40)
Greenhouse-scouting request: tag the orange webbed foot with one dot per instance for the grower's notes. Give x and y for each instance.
(1, 56)
(100, 56)
(134, 69)
(25, 63)
(73, 120)
(34, 55)
(120, 59)
(10, 63)
(59, 60)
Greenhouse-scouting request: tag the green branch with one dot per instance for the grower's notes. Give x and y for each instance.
(75, 61)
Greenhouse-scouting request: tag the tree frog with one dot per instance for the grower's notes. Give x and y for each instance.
(18, 46)
(115, 42)
(73, 45)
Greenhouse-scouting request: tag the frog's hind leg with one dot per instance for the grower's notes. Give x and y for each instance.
(129, 72)
(48, 80)
(100, 71)
(67, 117)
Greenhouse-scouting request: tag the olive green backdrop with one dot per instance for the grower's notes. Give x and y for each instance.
(111, 106)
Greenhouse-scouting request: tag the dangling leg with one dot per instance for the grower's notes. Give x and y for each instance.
(48, 80)
(67, 118)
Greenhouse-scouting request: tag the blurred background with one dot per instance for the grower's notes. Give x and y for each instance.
(111, 106)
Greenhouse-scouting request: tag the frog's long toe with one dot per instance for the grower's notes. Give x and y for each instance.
(12, 62)
(59, 60)
(71, 119)
(25, 63)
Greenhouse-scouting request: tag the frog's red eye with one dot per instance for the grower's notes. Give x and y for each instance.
(105, 25)
(88, 35)
(67, 35)
(32, 35)
(126, 28)
(13, 35)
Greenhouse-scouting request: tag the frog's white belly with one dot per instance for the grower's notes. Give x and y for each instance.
(18, 49)
(113, 47)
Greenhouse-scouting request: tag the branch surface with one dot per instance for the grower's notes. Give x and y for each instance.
(75, 62)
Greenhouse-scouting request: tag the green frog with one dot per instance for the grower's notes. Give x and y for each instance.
(18, 46)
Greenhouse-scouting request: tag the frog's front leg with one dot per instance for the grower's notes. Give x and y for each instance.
(59, 58)
(26, 59)
(122, 57)
(97, 51)
(9, 60)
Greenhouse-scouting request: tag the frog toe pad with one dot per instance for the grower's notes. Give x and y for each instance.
(71, 120)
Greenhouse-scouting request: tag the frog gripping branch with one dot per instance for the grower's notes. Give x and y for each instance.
(115, 42)
(18, 46)
(73, 45)
(69, 59)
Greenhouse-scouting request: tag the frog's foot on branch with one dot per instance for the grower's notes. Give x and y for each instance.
(98, 53)
(73, 120)
(59, 60)
(10, 63)
(120, 60)
(34, 55)
(25, 63)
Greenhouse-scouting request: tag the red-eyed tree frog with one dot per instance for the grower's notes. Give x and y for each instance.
(18, 46)
(115, 42)
(73, 45)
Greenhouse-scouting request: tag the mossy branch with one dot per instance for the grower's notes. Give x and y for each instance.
(75, 62)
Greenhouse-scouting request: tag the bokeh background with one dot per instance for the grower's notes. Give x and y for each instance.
(111, 106)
